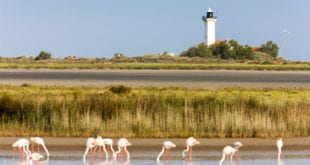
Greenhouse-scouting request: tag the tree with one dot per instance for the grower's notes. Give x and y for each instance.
(43, 55)
(119, 57)
(232, 50)
(221, 50)
(200, 50)
(270, 48)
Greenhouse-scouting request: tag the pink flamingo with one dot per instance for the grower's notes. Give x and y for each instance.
(109, 146)
(122, 147)
(190, 142)
(101, 144)
(237, 145)
(166, 148)
(22, 145)
(227, 151)
(279, 146)
(90, 145)
(104, 143)
(34, 156)
(39, 141)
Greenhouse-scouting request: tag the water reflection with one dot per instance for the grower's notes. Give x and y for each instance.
(7, 160)
(280, 162)
(30, 162)
(190, 163)
(108, 162)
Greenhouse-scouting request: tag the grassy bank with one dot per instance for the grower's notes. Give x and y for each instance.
(183, 63)
(153, 112)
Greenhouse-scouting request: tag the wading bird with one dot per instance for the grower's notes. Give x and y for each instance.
(101, 145)
(90, 145)
(106, 144)
(190, 142)
(122, 147)
(166, 148)
(237, 145)
(39, 141)
(23, 147)
(34, 156)
(227, 151)
(279, 146)
(109, 146)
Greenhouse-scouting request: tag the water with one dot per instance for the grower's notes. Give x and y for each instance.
(262, 159)
(148, 156)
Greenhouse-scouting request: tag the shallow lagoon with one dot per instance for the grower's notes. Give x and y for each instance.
(301, 161)
(144, 158)
(69, 151)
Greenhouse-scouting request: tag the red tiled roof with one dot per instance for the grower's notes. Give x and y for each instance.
(255, 49)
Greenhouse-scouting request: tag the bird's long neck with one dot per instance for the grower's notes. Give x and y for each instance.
(26, 152)
(47, 153)
(85, 154)
(125, 149)
(161, 153)
(111, 147)
(27, 148)
(186, 150)
(118, 151)
(279, 153)
(223, 158)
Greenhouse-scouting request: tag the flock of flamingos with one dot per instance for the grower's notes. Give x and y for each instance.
(106, 145)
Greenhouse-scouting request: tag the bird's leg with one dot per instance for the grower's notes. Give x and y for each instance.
(13, 152)
(121, 153)
(99, 152)
(32, 147)
(91, 154)
(108, 149)
(237, 155)
(20, 152)
(190, 153)
(38, 148)
(168, 153)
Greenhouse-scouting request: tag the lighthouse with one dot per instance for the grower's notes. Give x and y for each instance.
(209, 20)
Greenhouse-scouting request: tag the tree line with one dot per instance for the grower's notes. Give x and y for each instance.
(227, 49)
(230, 49)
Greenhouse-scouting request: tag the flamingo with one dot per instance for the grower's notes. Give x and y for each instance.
(227, 151)
(189, 144)
(22, 145)
(237, 145)
(34, 156)
(100, 143)
(279, 146)
(106, 142)
(90, 144)
(39, 141)
(122, 147)
(166, 147)
(109, 143)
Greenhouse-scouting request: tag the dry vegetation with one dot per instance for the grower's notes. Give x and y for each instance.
(151, 62)
(153, 112)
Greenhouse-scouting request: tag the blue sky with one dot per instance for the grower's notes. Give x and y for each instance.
(100, 28)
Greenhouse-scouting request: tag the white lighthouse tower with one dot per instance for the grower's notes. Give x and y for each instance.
(209, 20)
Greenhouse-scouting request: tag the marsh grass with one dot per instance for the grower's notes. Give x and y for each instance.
(29, 110)
(177, 63)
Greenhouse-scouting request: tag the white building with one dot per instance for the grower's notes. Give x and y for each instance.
(209, 20)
